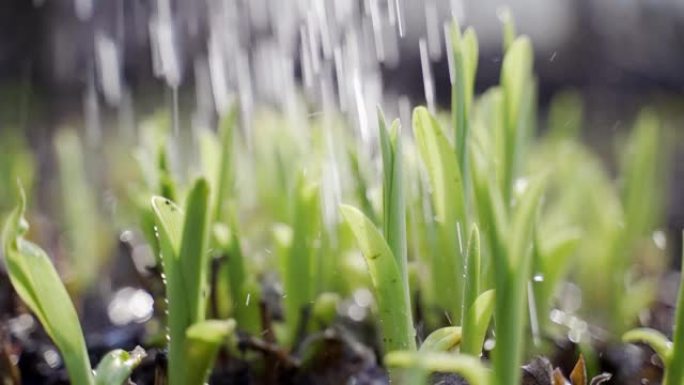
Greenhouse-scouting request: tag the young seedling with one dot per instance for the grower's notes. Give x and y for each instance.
(670, 352)
(218, 165)
(448, 199)
(183, 239)
(37, 283)
(464, 57)
(510, 238)
(298, 262)
(478, 306)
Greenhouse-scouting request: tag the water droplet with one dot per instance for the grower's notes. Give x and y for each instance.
(659, 239)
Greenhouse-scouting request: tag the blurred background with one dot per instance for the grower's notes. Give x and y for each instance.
(102, 66)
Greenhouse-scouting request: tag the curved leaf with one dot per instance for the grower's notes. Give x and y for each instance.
(36, 281)
(467, 366)
(117, 366)
(393, 300)
(476, 324)
(394, 209)
(653, 338)
(444, 339)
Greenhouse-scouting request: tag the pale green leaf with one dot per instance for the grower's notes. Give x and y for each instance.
(203, 341)
(36, 281)
(476, 324)
(393, 300)
(444, 339)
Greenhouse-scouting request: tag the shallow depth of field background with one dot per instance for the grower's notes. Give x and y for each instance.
(101, 66)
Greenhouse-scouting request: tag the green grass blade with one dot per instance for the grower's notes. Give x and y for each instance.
(512, 274)
(193, 256)
(449, 206)
(361, 186)
(509, 31)
(472, 269)
(394, 208)
(467, 366)
(299, 259)
(566, 115)
(551, 259)
(203, 341)
(476, 324)
(442, 167)
(444, 339)
(36, 281)
(675, 372)
(224, 184)
(243, 292)
(394, 304)
(169, 224)
(465, 57)
(515, 81)
(116, 366)
(641, 170)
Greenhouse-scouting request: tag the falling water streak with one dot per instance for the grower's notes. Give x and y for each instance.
(163, 37)
(404, 107)
(448, 317)
(401, 22)
(305, 59)
(217, 74)
(91, 112)
(377, 30)
(174, 111)
(427, 76)
(107, 61)
(362, 114)
(324, 29)
(246, 95)
(534, 320)
(331, 180)
(84, 9)
(203, 99)
(457, 11)
(432, 29)
(341, 77)
(314, 45)
(391, 13)
(450, 51)
(126, 117)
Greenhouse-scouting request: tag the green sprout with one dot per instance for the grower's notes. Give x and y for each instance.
(183, 239)
(670, 352)
(37, 283)
(448, 199)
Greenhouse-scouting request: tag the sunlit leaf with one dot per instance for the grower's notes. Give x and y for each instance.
(36, 281)
(393, 301)
(448, 199)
